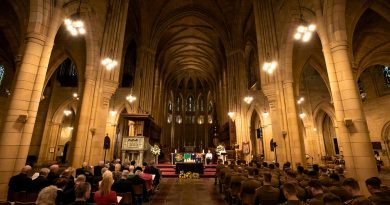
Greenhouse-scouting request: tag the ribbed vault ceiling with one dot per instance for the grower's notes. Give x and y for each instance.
(190, 48)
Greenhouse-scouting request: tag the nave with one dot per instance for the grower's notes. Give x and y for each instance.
(174, 191)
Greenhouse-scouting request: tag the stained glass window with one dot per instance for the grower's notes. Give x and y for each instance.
(2, 72)
(178, 104)
(386, 75)
(190, 104)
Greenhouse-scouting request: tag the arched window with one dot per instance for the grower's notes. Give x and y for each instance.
(178, 104)
(201, 105)
(2, 72)
(190, 104)
(386, 75)
(169, 107)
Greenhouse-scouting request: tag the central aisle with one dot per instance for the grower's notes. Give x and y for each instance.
(187, 192)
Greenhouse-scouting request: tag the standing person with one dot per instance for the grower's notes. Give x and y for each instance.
(209, 157)
(378, 161)
(105, 196)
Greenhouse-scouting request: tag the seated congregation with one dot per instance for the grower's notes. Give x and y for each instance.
(267, 184)
(112, 183)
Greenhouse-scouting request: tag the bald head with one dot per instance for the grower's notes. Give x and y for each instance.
(26, 169)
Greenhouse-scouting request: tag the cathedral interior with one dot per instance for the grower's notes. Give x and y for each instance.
(303, 81)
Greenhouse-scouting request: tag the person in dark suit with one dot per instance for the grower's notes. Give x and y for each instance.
(53, 174)
(82, 193)
(82, 170)
(41, 181)
(153, 170)
(97, 170)
(20, 182)
(123, 185)
(137, 180)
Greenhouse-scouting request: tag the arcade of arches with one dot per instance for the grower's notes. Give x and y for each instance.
(190, 63)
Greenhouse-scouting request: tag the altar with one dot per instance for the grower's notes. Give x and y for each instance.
(189, 167)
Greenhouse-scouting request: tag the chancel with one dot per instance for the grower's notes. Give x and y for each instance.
(232, 92)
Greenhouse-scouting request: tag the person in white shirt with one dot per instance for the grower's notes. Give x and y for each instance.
(209, 157)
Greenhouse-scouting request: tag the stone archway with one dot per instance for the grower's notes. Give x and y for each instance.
(256, 137)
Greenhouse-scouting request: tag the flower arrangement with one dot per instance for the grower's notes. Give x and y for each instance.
(220, 148)
(155, 150)
(189, 175)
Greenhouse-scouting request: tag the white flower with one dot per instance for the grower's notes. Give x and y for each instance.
(155, 150)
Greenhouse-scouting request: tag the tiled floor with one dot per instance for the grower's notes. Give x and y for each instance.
(187, 192)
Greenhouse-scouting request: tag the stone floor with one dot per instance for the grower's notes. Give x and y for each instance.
(187, 192)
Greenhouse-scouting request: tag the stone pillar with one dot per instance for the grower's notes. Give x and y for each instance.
(293, 138)
(19, 122)
(144, 78)
(78, 148)
(357, 148)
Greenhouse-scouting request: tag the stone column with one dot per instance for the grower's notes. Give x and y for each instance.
(357, 148)
(293, 138)
(19, 122)
(144, 78)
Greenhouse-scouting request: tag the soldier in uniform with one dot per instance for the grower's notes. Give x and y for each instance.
(377, 195)
(267, 194)
(317, 192)
(324, 178)
(352, 186)
(290, 192)
(337, 189)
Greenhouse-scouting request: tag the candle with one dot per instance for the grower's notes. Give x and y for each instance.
(203, 151)
(175, 151)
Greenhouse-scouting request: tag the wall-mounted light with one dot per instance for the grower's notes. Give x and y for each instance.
(302, 115)
(131, 98)
(113, 113)
(265, 114)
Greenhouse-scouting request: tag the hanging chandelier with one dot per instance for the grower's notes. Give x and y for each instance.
(304, 30)
(248, 99)
(67, 112)
(109, 63)
(75, 25)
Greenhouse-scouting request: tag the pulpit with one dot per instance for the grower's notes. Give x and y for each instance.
(134, 148)
(139, 133)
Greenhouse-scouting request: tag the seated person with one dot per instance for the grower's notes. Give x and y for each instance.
(209, 157)
(352, 186)
(105, 196)
(82, 193)
(290, 192)
(377, 195)
(123, 185)
(20, 182)
(41, 181)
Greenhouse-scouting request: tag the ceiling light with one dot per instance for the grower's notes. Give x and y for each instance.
(231, 115)
(67, 112)
(109, 63)
(113, 112)
(75, 26)
(302, 115)
(131, 98)
(248, 99)
(269, 67)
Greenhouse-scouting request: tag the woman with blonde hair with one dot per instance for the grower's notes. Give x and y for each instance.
(105, 196)
(47, 196)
